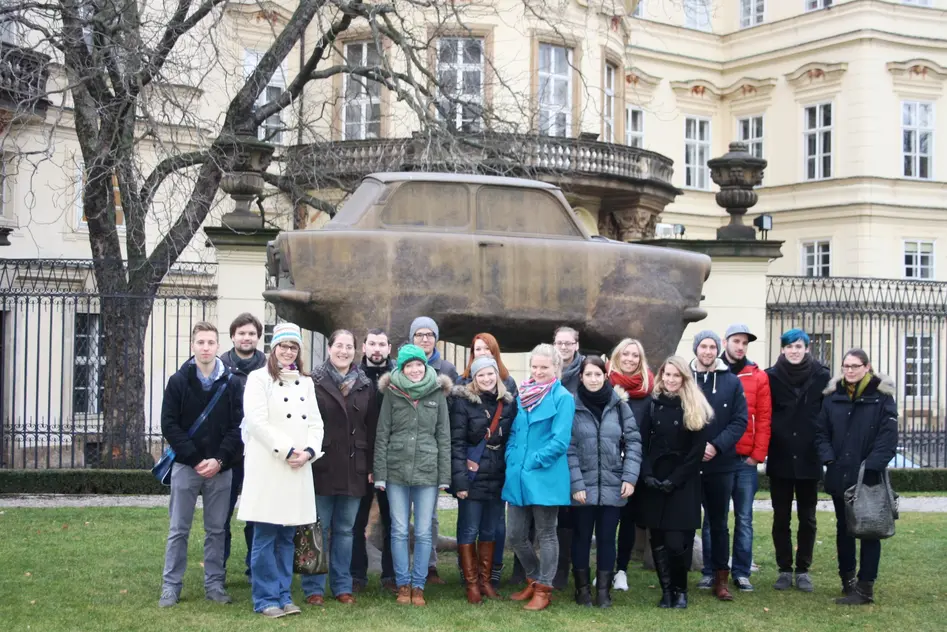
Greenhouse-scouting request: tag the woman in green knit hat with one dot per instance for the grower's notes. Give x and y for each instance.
(412, 461)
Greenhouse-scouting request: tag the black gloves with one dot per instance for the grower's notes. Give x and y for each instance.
(651, 481)
(662, 486)
(872, 477)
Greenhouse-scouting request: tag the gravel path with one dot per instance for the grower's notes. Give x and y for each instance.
(936, 504)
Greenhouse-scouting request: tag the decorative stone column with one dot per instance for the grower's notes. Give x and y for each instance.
(632, 220)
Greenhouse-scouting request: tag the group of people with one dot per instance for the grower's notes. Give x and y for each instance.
(585, 446)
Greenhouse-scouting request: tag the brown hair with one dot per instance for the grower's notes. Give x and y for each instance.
(341, 332)
(858, 353)
(272, 364)
(594, 360)
(200, 326)
(244, 319)
(567, 330)
(494, 347)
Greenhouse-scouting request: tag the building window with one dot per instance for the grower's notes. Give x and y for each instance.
(696, 153)
(697, 14)
(751, 133)
(634, 126)
(820, 346)
(272, 128)
(818, 141)
(89, 363)
(639, 9)
(817, 259)
(918, 259)
(919, 3)
(555, 90)
(751, 12)
(460, 82)
(79, 183)
(815, 5)
(918, 351)
(361, 111)
(608, 114)
(917, 138)
(6, 185)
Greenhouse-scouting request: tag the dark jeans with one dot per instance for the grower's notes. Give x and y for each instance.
(626, 535)
(717, 488)
(806, 493)
(359, 551)
(603, 520)
(745, 484)
(236, 489)
(477, 519)
(870, 555)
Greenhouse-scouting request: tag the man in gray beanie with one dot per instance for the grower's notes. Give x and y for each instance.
(725, 393)
(425, 334)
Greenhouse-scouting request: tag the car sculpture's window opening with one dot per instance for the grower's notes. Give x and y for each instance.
(428, 205)
(524, 212)
(361, 199)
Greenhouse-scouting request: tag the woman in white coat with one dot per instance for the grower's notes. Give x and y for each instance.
(283, 435)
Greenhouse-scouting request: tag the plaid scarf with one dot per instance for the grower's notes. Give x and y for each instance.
(532, 394)
(343, 382)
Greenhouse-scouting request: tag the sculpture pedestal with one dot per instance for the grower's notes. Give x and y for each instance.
(241, 274)
(736, 289)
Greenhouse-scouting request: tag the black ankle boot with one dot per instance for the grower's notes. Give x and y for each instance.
(583, 589)
(603, 585)
(848, 582)
(662, 565)
(863, 595)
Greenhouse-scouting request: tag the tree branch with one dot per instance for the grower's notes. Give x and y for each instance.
(165, 168)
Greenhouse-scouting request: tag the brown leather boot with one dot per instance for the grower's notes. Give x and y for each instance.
(404, 595)
(527, 593)
(721, 591)
(485, 553)
(433, 577)
(468, 565)
(542, 595)
(417, 597)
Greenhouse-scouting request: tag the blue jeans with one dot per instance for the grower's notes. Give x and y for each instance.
(400, 499)
(271, 565)
(478, 518)
(745, 484)
(716, 489)
(337, 514)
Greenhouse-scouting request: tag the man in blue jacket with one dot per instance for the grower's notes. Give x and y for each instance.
(725, 393)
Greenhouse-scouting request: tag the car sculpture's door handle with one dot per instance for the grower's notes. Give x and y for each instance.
(487, 244)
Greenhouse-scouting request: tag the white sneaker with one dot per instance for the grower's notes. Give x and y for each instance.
(620, 582)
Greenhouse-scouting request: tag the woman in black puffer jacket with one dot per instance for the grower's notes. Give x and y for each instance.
(482, 412)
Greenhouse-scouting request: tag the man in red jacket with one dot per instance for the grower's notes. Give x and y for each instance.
(751, 449)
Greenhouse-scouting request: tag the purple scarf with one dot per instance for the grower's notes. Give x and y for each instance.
(532, 394)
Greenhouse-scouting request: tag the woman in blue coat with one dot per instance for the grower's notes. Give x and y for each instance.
(537, 472)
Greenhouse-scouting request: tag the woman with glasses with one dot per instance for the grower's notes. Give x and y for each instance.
(283, 436)
(342, 477)
(858, 424)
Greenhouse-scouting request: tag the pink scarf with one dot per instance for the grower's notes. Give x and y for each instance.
(532, 394)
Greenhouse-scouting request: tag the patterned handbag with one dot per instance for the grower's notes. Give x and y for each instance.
(310, 556)
(870, 510)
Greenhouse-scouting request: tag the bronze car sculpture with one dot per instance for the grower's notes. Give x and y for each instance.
(480, 253)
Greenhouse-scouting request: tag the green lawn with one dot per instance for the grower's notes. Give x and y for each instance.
(100, 569)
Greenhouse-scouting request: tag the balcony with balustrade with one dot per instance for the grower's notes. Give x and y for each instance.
(23, 75)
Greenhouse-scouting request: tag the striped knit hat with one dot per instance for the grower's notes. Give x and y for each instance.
(287, 332)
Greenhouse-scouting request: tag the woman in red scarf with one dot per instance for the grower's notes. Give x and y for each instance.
(628, 370)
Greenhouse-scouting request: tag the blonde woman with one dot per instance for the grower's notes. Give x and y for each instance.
(673, 436)
(628, 372)
(537, 472)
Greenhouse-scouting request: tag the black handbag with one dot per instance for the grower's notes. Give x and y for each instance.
(310, 556)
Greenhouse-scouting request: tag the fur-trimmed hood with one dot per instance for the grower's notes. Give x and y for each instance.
(622, 393)
(443, 382)
(463, 391)
(879, 382)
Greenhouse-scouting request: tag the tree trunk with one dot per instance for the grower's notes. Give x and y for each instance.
(125, 324)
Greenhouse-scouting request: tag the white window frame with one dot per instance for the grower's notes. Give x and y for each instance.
(912, 127)
(96, 357)
(816, 5)
(458, 99)
(549, 78)
(271, 129)
(752, 13)
(7, 172)
(696, 172)
(916, 362)
(634, 135)
(815, 267)
(819, 132)
(364, 100)
(748, 133)
(697, 15)
(608, 103)
(918, 269)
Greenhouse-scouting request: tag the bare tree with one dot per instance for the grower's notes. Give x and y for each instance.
(133, 75)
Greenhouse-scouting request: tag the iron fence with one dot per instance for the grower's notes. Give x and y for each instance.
(901, 324)
(52, 358)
